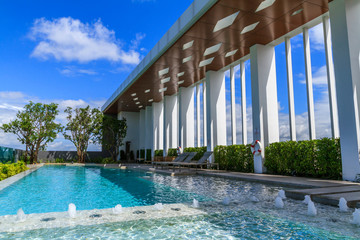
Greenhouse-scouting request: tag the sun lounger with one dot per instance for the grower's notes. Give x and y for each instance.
(188, 159)
(203, 161)
(179, 158)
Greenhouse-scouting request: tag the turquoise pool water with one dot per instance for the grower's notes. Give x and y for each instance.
(53, 188)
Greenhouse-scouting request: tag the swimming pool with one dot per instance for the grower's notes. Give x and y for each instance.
(92, 188)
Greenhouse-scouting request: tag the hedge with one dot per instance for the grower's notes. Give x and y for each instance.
(158, 153)
(234, 158)
(148, 155)
(11, 169)
(200, 151)
(172, 152)
(314, 158)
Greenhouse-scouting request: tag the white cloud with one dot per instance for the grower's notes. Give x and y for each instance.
(71, 71)
(68, 39)
(316, 35)
(319, 77)
(12, 102)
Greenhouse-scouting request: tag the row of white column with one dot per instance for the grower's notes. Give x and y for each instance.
(171, 123)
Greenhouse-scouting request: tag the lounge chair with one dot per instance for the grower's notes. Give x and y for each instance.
(188, 159)
(179, 158)
(203, 161)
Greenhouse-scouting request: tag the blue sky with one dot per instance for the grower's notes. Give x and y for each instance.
(77, 53)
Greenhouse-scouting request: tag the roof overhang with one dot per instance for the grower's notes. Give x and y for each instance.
(210, 35)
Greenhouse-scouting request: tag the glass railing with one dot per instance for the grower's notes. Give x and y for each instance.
(7, 154)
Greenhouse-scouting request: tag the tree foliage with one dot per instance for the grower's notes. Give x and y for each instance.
(83, 127)
(35, 127)
(113, 134)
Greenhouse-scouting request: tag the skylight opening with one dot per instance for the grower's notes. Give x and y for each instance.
(297, 12)
(137, 103)
(180, 74)
(165, 80)
(135, 99)
(163, 72)
(162, 89)
(249, 28)
(181, 82)
(225, 22)
(185, 60)
(133, 95)
(188, 45)
(206, 62)
(151, 100)
(229, 54)
(212, 49)
(147, 90)
(265, 4)
(140, 106)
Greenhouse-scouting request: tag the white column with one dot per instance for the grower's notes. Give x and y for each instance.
(158, 124)
(215, 109)
(243, 103)
(170, 122)
(290, 85)
(264, 98)
(178, 109)
(198, 123)
(187, 117)
(142, 132)
(233, 112)
(149, 131)
(309, 85)
(331, 79)
(204, 115)
(345, 35)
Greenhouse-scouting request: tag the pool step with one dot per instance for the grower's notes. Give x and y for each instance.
(329, 195)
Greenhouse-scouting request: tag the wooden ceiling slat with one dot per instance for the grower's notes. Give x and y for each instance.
(274, 22)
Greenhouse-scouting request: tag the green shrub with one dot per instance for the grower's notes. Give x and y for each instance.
(200, 151)
(172, 152)
(142, 153)
(158, 153)
(107, 160)
(8, 170)
(313, 158)
(148, 154)
(59, 160)
(234, 158)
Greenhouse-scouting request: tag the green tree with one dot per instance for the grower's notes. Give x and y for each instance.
(112, 136)
(83, 127)
(35, 127)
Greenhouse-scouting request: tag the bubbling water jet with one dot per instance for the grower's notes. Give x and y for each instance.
(117, 209)
(72, 210)
(282, 194)
(20, 216)
(307, 199)
(279, 202)
(343, 205)
(311, 209)
(195, 203)
(158, 206)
